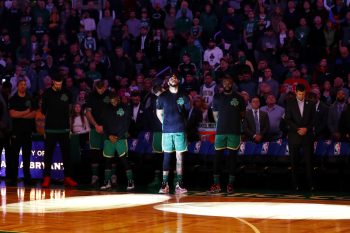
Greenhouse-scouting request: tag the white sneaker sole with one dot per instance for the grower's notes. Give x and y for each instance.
(164, 191)
(181, 191)
(106, 188)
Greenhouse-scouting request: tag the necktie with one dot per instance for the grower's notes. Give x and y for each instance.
(257, 124)
(190, 113)
(143, 38)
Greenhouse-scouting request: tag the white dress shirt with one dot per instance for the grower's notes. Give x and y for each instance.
(301, 107)
(135, 112)
(143, 39)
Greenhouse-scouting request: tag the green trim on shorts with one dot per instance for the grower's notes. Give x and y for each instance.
(96, 140)
(107, 156)
(157, 142)
(120, 146)
(227, 141)
(172, 142)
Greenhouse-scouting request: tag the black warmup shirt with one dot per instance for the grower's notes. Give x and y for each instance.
(229, 108)
(96, 104)
(55, 107)
(175, 106)
(116, 120)
(17, 103)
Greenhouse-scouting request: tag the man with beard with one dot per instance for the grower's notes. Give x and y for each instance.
(334, 114)
(56, 107)
(300, 115)
(228, 110)
(172, 107)
(96, 102)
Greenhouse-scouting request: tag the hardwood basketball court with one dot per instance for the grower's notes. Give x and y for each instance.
(30, 209)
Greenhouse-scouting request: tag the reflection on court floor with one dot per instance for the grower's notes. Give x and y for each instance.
(261, 210)
(57, 202)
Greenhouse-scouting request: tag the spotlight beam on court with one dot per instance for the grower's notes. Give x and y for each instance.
(260, 210)
(85, 203)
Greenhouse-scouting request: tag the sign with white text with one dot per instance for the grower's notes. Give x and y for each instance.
(37, 162)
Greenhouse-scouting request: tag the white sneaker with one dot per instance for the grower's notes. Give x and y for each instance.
(179, 189)
(106, 186)
(131, 185)
(165, 188)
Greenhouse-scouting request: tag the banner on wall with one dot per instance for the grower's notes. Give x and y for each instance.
(37, 162)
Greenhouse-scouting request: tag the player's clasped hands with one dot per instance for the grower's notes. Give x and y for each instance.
(113, 138)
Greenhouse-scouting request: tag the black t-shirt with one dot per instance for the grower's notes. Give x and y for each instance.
(229, 108)
(96, 104)
(116, 120)
(17, 103)
(175, 106)
(55, 107)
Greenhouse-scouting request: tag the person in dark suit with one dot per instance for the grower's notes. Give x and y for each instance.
(344, 127)
(195, 117)
(137, 115)
(256, 123)
(345, 123)
(143, 41)
(300, 114)
(321, 130)
(335, 111)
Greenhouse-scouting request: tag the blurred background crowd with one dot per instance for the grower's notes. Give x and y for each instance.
(266, 47)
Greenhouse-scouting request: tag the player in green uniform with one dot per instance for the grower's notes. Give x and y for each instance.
(116, 121)
(96, 102)
(172, 107)
(228, 109)
(155, 126)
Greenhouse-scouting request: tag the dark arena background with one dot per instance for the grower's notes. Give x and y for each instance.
(175, 116)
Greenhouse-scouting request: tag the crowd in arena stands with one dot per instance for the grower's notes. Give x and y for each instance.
(267, 47)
